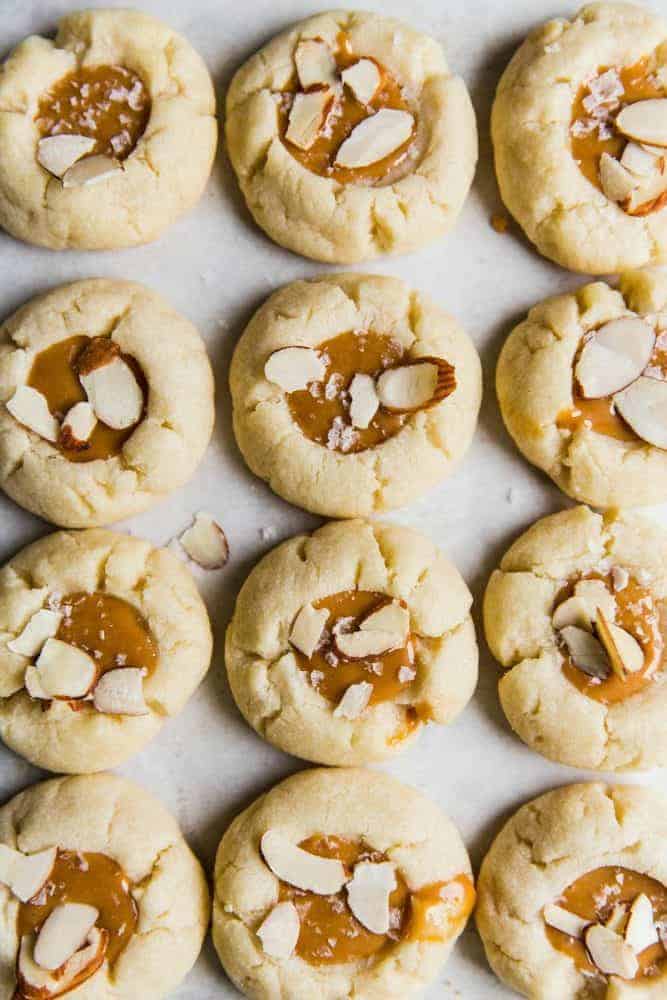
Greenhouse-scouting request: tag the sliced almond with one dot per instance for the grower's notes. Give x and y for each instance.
(291, 864)
(393, 617)
(307, 629)
(638, 159)
(640, 930)
(35, 983)
(573, 611)
(294, 368)
(585, 651)
(57, 153)
(43, 625)
(620, 578)
(648, 195)
(92, 170)
(315, 63)
(417, 385)
(26, 874)
(354, 702)
(364, 402)
(595, 594)
(307, 117)
(617, 182)
(33, 685)
(617, 918)
(279, 931)
(624, 652)
(205, 542)
(121, 692)
(610, 952)
(564, 920)
(375, 137)
(614, 357)
(645, 121)
(643, 405)
(78, 426)
(30, 408)
(114, 394)
(64, 931)
(368, 894)
(367, 642)
(363, 78)
(65, 671)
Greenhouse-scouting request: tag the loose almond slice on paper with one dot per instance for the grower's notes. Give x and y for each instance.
(564, 920)
(624, 652)
(92, 170)
(64, 931)
(392, 617)
(43, 625)
(307, 117)
(363, 78)
(367, 642)
(645, 121)
(375, 137)
(33, 685)
(354, 702)
(121, 692)
(617, 182)
(586, 652)
(614, 357)
(315, 63)
(640, 930)
(30, 408)
(610, 952)
(639, 160)
(65, 671)
(294, 368)
(35, 983)
(307, 629)
(205, 542)
(78, 426)
(417, 385)
(643, 405)
(364, 402)
(279, 931)
(368, 894)
(114, 394)
(323, 876)
(57, 153)
(26, 874)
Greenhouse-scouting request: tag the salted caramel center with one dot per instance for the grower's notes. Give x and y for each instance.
(109, 104)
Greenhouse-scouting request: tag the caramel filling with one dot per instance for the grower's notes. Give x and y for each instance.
(328, 670)
(637, 614)
(346, 113)
(55, 373)
(593, 897)
(331, 934)
(107, 103)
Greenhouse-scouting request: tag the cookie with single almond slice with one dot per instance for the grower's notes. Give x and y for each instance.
(118, 904)
(576, 616)
(351, 137)
(572, 895)
(102, 639)
(345, 643)
(339, 882)
(353, 394)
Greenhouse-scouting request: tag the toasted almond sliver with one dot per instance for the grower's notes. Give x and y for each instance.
(614, 356)
(33, 981)
(639, 160)
(323, 876)
(121, 692)
(643, 196)
(63, 932)
(92, 170)
(643, 405)
(640, 930)
(364, 402)
(624, 652)
(205, 542)
(114, 394)
(30, 408)
(610, 952)
(25, 874)
(375, 137)
(307, 629)
(294, 368)
(408, 387)
(354, 702)
(315, 63)
(65, 671)
(645, 121)
(33, 685)
(617, 182)
(307, 117)
(573, 611)
(564, 920)
(368, 894)
(57, 153)
(78, 425)
(392, 617)
(595, 594)
(279, 931)
(585, 651)
(367, 642)
(43, 625)
(617, 918)
(363, 79)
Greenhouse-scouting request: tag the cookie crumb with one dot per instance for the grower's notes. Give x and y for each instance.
(500, 222)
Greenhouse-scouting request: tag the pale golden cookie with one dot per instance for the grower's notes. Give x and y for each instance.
(579, 857)
(313, 946)
(380, 406)
(159, 403)
(351, 138)
(119, 851)
(136, 638)
(303, 692)
(139, 90)
(585, 397)
(585, 179)
(565, 691)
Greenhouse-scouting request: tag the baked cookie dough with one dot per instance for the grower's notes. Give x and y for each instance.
(351, 138)
(582, 386)
(99, 892)
(579, 128)
(106, 402)
(353, 394)
(102, 638)
(576, 615)
(107, 132)
(339, 883)
(573, 895)
(344, 643)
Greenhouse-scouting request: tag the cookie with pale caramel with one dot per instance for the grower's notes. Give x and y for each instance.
(345, 643)
(353, 394)
(102, 639)
(572, 895)
(351, 137)
(576, 616)
(101, 893)
(106, 402)
(339, 882)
